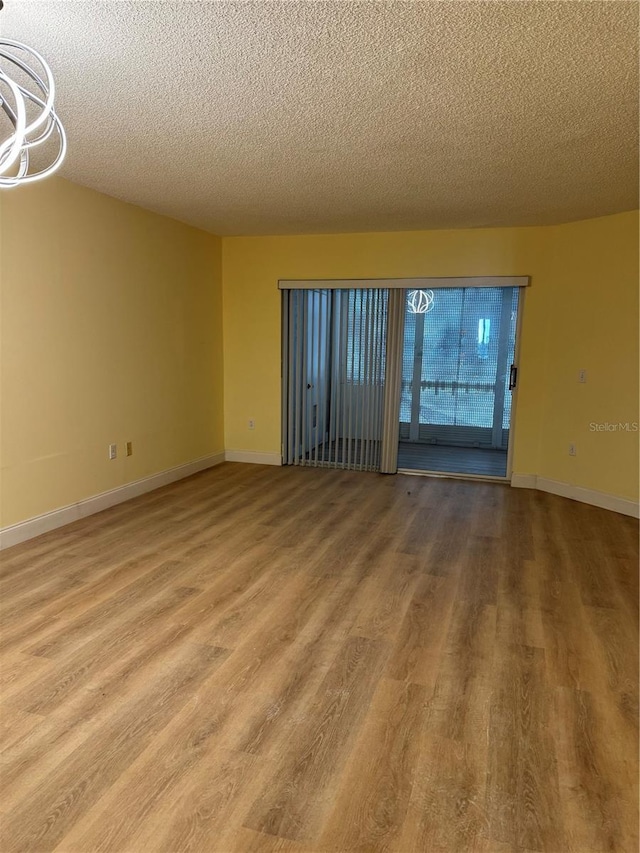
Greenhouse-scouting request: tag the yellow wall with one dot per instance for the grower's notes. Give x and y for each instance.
(253, 265)
(593, 324)
(587, 259)
(111, 332)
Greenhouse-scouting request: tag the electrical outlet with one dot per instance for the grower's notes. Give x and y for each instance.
(113, 451)
(252, 423)
(572, 449)
(582, 375)
(129, 448)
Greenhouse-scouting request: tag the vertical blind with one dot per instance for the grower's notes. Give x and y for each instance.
(334, 377)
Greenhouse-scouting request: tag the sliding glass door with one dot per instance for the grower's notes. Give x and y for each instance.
(457, 377)
(399, 376)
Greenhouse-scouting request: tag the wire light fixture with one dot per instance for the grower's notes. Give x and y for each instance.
(27, 101)
(420, 301)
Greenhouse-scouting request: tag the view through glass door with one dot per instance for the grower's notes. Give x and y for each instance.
(457, 376)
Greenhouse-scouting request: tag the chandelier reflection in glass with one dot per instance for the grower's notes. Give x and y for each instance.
(420, 301)
(27, 93)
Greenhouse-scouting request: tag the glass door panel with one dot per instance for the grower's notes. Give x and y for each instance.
(455, 380)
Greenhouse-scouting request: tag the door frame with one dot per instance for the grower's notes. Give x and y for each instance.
(522, 282)
(514, 394)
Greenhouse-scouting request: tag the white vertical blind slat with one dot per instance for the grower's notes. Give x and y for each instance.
(393, 381)
(380, 330)
(300, 420)
(343, 437)
(366, 414)
(359, 425)
(322, 392)
(334, 343)
(312, 380)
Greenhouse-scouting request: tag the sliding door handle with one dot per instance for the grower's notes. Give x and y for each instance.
(513, 377)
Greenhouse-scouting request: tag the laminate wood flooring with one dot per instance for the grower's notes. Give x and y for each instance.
(287, 659)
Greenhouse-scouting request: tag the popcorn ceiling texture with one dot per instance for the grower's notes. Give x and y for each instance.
(303, 117)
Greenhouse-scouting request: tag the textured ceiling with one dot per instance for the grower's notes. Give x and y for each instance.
(303, 117)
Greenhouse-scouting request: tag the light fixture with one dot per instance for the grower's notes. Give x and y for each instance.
(420, 301)
(26, 98)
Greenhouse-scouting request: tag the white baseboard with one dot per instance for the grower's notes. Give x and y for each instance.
(253, 456)
(577, 493)
(24, 530)
(523, 481)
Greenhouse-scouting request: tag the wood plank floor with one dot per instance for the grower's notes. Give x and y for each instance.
(286, 659)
